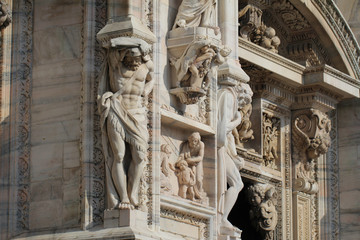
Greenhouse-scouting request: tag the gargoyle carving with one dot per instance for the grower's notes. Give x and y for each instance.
(253, 28)
(311, 138)
(263, 214)
(5, 15)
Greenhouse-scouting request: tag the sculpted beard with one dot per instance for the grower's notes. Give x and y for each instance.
(132, 63)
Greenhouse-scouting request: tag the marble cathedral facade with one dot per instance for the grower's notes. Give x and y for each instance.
(178, 119)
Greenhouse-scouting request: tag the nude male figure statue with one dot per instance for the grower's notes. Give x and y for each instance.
(230, 100)
(124, 118)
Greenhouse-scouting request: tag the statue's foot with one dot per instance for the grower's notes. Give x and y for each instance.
(125, 205)
(134, 198)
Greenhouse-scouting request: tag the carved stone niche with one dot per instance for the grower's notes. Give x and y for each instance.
(5, 15)
(263, 214)
(310, 139)
(253, 28)
(196, 50)
(271, 140)
(195, 69)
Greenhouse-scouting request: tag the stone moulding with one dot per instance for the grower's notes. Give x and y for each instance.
(201, 217)
(339, 25)
(21, 95)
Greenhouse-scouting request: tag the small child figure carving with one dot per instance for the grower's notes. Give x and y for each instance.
(187, 180)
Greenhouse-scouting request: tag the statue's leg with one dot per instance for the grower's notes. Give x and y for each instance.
(182, 191)
(118, 172)
(136, 169)
(234, 180)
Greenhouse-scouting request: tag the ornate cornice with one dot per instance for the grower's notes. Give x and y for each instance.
(336, 21)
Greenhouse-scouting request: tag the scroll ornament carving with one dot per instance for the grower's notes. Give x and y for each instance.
(311, 138)
(123, 89)
(263, 214)
(190, 171)
(5, 15)
(271, 126)
(196, 68)
(253, 29)
(243, 132)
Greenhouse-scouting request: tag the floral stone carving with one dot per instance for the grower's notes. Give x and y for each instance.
(311, 138)
(123, 88)
(263, 214)
(189, 169)
(195, 69)
(271, 126)
(5, 15)
(253, 28)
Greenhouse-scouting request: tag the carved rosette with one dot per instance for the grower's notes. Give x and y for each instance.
(5, 15)
(263, 214)
(271, 127)
(311, 139)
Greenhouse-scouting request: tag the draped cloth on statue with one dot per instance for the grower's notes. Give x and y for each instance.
(130, 124)
(225, 140)
(193, 12)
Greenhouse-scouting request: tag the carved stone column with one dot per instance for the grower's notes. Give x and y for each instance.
(310, 142)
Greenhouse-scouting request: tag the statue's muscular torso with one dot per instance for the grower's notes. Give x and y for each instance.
(131, 93)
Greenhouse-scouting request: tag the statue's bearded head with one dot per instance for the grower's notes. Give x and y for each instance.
(132, 59)
(244, 94)
(194, 140)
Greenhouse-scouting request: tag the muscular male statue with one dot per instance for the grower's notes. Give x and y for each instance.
(124, 120)
(230, 99)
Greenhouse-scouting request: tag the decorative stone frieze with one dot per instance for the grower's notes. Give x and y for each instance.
(271, 135)
(243, 131)
(263, 213)
(5, 15)
(310, 139)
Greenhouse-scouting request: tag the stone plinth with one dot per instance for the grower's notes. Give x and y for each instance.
(125, 218)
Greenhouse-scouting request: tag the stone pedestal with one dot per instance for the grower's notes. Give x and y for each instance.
(232, 235)
(125, 218)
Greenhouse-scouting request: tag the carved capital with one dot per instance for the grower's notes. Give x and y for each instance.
(263, 214)
(5, 15)
(310, 139)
